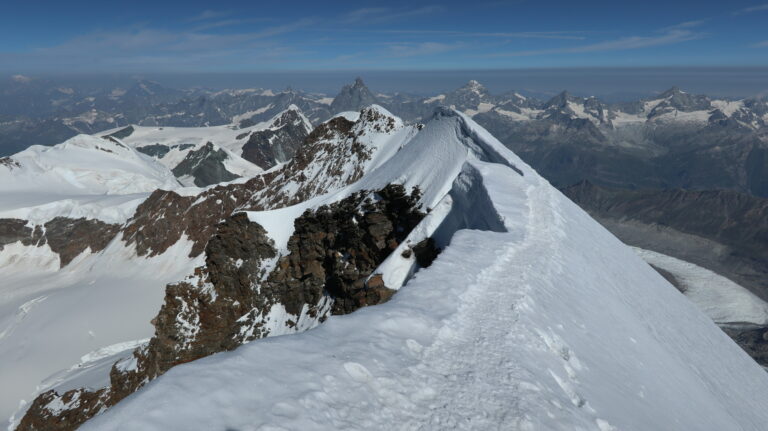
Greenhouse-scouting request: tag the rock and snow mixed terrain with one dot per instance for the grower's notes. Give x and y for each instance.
(532, 316)
(68, 286)
(202, 156)
(551, 324)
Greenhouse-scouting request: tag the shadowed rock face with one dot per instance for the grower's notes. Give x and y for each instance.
(328, 270)
(206, 166)
(65, 236)
(123, 133)
(277, 144)
(353, 98)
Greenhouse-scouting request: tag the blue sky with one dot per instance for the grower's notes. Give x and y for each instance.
(241, 36)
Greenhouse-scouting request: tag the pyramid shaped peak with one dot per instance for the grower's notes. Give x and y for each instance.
(675, 90)
(559, 100)
(474, 85)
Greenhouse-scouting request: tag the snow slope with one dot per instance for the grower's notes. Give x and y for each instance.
(534, 317)
(85, 176)
(720, 298)
(50, 318)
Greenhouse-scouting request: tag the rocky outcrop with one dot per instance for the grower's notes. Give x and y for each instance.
(165, 216)
(244, 293)
(335, 249)
(65, 236)
(53, 412)
(278, 143)
(205, 166)
(9, 163)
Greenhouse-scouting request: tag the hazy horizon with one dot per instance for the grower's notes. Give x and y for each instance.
(613, 84)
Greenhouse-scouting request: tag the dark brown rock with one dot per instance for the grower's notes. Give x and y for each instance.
(65, 236)
(78, 405)
(9, 163)
(332, 255)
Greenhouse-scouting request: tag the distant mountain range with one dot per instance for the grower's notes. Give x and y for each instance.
(675, 140)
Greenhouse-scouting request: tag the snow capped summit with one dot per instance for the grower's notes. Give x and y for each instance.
(475, 86)
(85, 165)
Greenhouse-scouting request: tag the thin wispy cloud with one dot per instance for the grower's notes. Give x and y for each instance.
(383, 14)
(209, 14)
(422, 48)
(140, 48)
(666, 37)
(763, 44)
(568, 35)
(757, 8)
(228, 23)
(685, 25)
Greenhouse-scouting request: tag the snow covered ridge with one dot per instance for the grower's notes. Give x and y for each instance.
(532, 316)
(84, 165)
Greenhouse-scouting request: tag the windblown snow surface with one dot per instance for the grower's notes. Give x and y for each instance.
(534, 317)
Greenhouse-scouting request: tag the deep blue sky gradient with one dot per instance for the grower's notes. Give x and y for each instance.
(245, 36)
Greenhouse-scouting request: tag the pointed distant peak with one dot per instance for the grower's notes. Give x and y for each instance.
(291, 115)
(353, 97)
(560, 100)
(474, 84)
(675, 90)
